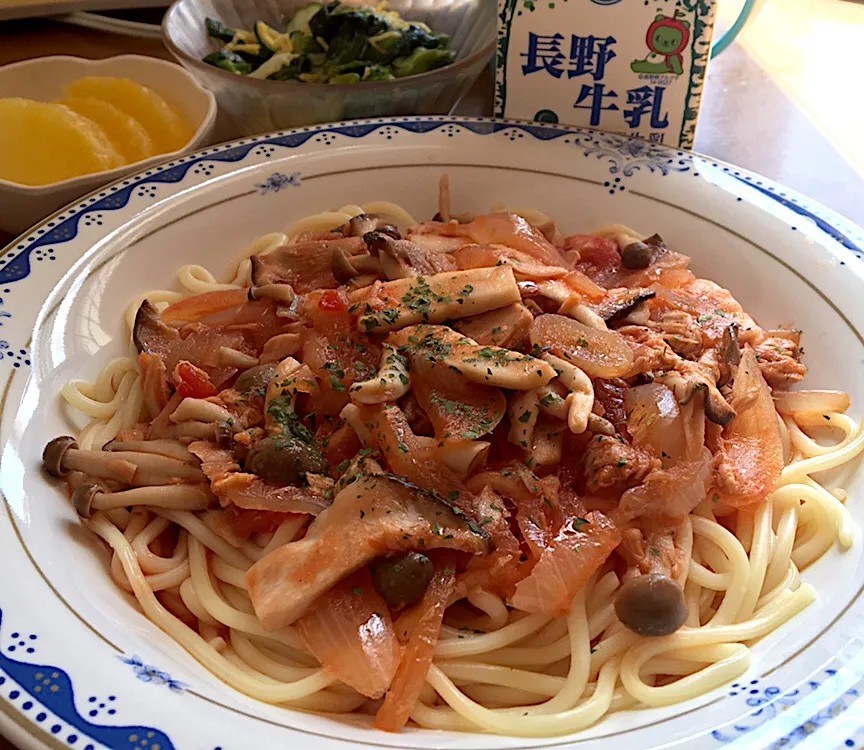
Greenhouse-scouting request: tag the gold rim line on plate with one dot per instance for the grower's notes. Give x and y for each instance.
(367, 743)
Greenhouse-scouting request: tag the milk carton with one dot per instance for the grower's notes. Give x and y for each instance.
(627, 66)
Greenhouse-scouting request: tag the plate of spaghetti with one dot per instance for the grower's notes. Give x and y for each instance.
(433, 432)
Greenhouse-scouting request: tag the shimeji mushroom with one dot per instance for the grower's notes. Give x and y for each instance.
(687, 381)
(346, 267)
(283, 293)
(90, 497)
(651, 605)
(401, 259)
(62, 456)
(170, 448)
(362, 224)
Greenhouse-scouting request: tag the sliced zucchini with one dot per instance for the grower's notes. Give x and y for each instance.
(345, 78)
(300, 21)
(273, 65)
(304, 44)
(230, 61)
(422, 60)
(241, 36)
(245, 48)
(273, 40)
(219, 30)
(377, 73)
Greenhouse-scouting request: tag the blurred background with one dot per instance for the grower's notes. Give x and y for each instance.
(780, 101)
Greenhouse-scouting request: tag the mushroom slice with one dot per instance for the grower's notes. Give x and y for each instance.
(150, 334)
(305, 266)
(433, 299)
(580, 400)
(619, 303)
(507, 327)
(373, 515)
(401, 259)
(486, 365)
(391, 382)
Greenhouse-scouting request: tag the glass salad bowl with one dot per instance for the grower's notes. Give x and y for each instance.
(255, 106)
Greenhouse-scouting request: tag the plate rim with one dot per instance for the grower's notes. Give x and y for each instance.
(27, 241)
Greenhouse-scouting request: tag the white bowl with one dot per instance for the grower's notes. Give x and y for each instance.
(46, 78)
(63, 288)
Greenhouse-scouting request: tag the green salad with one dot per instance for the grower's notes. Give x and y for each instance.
(332, 43)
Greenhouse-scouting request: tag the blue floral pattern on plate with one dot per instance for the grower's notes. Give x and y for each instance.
(147, 673)
(44, 694)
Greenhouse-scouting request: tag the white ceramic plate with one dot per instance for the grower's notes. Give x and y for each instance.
(81, 668)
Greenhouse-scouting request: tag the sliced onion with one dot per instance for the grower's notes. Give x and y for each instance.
(601, 354)
(654, 420)
(798, 402)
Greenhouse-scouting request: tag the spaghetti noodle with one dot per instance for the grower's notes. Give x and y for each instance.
(613, 521)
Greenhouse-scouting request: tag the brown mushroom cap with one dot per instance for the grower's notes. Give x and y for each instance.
(52, 456)
(277, 291)
(651, 605)
(363, 223)
(82, 498)
(149, 333)
(341, 266)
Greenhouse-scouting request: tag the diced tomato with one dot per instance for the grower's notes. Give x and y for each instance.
(417, 656)
(599, 251)
(332, 301)
(192, 382)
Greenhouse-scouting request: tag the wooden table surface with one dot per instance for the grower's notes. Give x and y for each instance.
(746, 118)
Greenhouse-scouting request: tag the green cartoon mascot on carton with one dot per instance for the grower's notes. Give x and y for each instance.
(666, 38)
